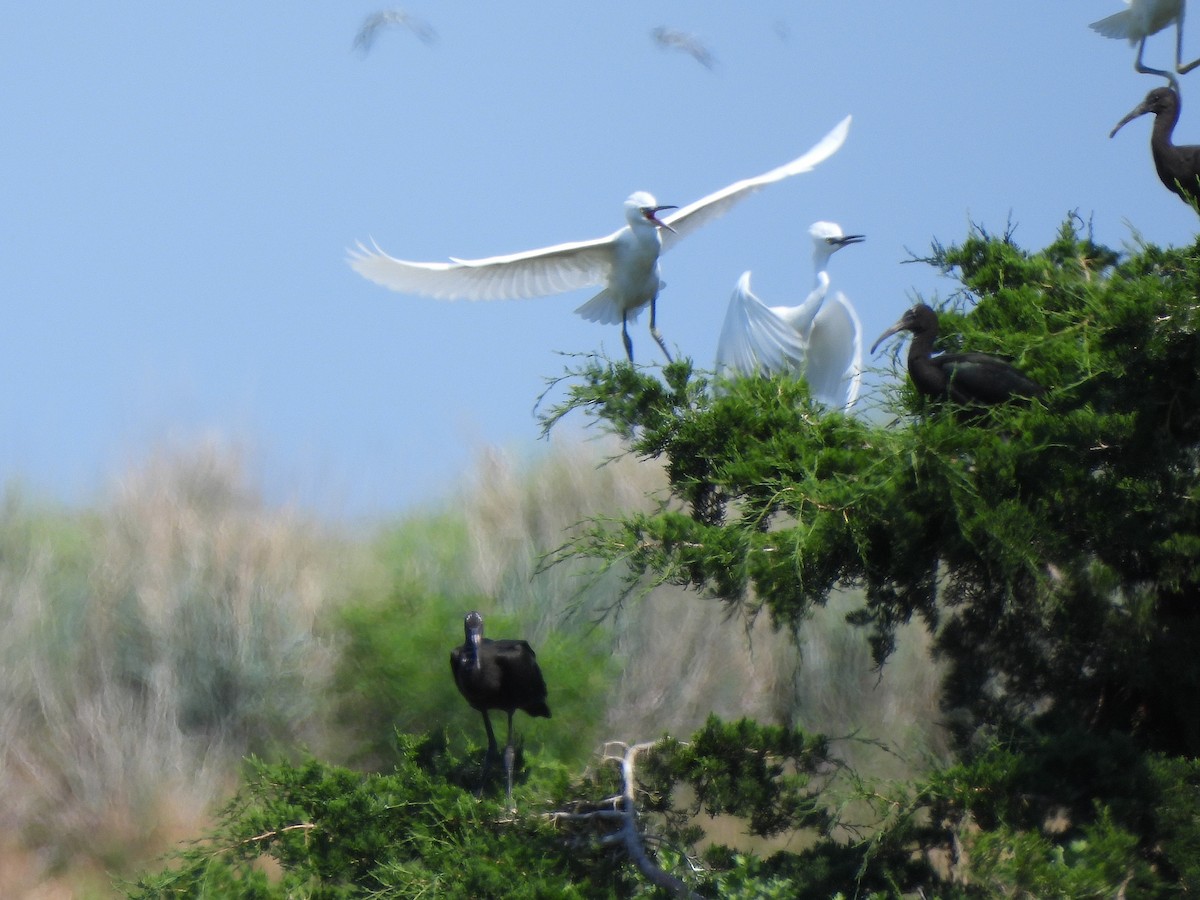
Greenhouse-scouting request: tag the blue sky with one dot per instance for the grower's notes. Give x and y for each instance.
(179, 184)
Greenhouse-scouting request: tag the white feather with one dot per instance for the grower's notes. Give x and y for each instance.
(625, 262)
(825, 343)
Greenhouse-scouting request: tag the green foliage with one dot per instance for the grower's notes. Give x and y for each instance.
(1100, 862)
(393, 672)
(762, 773)
(1052, 544)
(1053, 547)
(1025, 819)
(418, 831)
(332, 833)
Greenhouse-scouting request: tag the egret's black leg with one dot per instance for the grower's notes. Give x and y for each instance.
(625, 338)
(655, 332)
(1179, 66)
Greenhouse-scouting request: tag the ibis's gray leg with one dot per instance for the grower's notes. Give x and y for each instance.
(509, 756)
(654, 332)
(491, 751)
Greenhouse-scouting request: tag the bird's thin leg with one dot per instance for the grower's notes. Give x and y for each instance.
(1146, 70)
(509, 756)
(654, 332)
(1179, 66)
(626, 339)
(491, 750)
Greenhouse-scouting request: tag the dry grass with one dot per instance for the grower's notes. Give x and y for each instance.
(684, 656)
(151, 643)
(147, 648)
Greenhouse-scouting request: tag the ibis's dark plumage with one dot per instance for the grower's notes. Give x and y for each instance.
(500, 675)
(967, 378)
(1178, 167)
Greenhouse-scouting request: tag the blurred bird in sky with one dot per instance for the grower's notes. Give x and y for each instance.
(625, 262)
(391, 18)
(673, 39)
(820, 339)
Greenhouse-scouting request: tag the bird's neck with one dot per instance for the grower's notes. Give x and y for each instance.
(643, 227)
(813, 301)
(821, 255)
(641, 241)
(472, 653)
(1164, 126)
(921, 347)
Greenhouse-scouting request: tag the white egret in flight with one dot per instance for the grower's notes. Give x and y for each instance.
(1143, 18)
(625, 262)
(820, 339)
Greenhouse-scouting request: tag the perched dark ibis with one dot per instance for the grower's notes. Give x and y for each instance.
(500, 675)
(967, 378)
(1178, 167)
(1139, 20)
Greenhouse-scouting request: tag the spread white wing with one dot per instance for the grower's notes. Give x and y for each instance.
(755, 340)
(833, 367)
(704, 210)
(533, 273)
(563, 267)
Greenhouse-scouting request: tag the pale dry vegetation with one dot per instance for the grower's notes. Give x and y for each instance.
(151, 643)
(684, 656)
(148, 647)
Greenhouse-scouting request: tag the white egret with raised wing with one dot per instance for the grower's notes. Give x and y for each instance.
(821, 339)
(625, 262)
(1141, 19)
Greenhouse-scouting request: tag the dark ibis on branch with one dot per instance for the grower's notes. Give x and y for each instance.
(1178, 167)
(500, 675)
(967, 378)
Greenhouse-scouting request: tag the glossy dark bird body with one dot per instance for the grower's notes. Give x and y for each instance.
(1178, 166)
(966, 378)
(500, 675)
